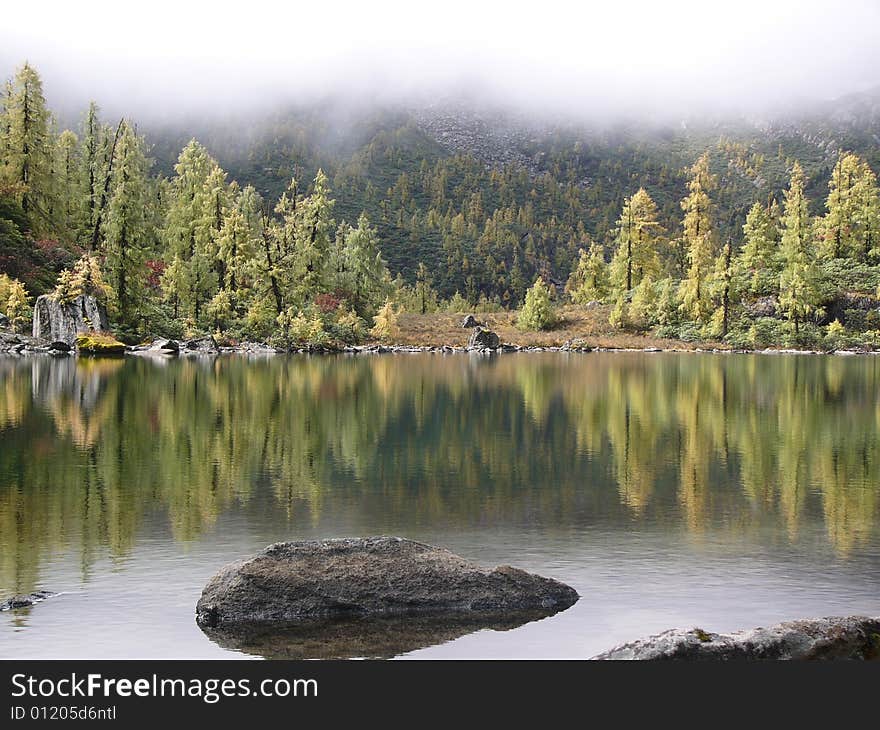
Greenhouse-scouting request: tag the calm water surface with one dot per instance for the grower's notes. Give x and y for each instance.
(725, 491)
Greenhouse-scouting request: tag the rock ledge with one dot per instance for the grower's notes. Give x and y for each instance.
(847, 637)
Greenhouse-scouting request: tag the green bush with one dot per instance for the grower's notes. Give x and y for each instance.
(767, 332)
(537, 312)
(690, 332)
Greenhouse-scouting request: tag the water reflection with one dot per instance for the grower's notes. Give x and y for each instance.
(375, 637)
(702, 444)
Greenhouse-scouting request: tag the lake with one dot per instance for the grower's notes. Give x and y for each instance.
(711, 490)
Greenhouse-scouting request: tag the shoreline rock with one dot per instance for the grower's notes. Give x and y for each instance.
(53, 320)
(17, 344)
(483, 339)
(357, 577)
(846, 637)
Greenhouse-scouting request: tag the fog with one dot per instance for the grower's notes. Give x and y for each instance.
(161, 59)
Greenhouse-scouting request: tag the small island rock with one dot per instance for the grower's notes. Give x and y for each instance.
(341, 578)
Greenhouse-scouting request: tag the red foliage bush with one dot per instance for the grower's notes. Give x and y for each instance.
(327, 303)
(155, 268)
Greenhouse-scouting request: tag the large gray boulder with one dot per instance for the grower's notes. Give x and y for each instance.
(296, 581)
(482, 339)
(55, 321)
(848, 637)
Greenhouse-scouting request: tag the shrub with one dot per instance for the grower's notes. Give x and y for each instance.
(261, 319)
(302, 328)
(690, 332)
(327, 303)
(767, 332)
(836, 336)
(84, 278)
(348, 328)
(537, 312)
(14, 301)
(385, 323)
(457, 304)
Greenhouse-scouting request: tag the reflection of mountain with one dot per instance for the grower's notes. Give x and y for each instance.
(701, 443)
(371, 637)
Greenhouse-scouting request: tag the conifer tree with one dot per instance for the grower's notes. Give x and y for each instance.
(867, 212)
(236, 249)
(27, 161)
(424, 292)
(642, 308)
(724, 290)
(312, 227)
(274, 265)
(759, 263)
(699, 240)
(365, 269)
(67, 188)
(189, 280)
(839, 233)
(638, 237)
(589, 280)
(798, 295)
(93, 165)
(211, 201)
(124, 226)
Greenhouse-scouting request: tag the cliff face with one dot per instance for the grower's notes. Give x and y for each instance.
(55, 321)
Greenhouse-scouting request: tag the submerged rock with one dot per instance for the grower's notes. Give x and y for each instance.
(848, 637)
(483, 340)
(56, 321)
(296, 581)
(377, 637)
(25, 601)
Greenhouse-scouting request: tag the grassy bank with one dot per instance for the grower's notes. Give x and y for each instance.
(589, 326)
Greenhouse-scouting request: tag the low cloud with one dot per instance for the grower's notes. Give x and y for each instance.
(592, 60)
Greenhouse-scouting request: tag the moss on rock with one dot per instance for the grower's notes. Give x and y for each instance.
(99, 343)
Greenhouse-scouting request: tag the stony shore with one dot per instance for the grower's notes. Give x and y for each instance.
(17, 344)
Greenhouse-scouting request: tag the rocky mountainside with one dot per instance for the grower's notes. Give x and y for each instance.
(410, 166)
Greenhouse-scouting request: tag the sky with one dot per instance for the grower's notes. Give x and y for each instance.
(590, 58)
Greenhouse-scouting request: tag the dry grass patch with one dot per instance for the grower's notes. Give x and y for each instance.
(587, 325)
